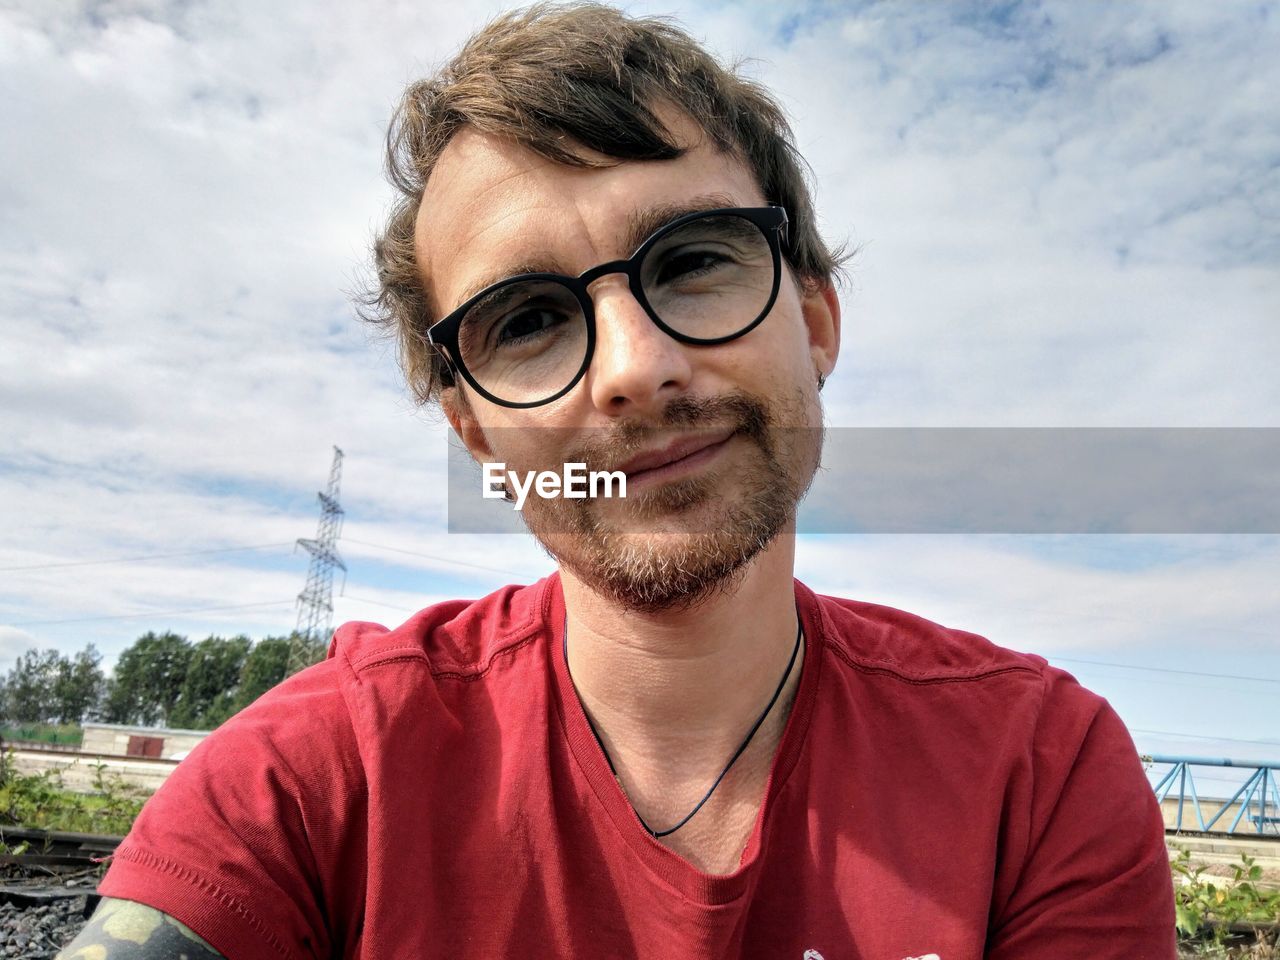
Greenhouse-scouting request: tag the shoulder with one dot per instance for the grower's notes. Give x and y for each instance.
(1056, 749)
(905, 651)
(871, 636)
(250, 839)
(301, 729)
(456, 637)
(260, 767)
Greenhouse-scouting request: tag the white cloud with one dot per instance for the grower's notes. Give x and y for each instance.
(1099, 596)
(13, 643)
(1068, 214)
(1068, 211)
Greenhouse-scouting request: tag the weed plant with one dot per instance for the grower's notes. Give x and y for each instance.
(1217, 917)
(40, 800)
(1220, 912)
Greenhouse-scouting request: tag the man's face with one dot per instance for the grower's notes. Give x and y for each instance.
(718, 442)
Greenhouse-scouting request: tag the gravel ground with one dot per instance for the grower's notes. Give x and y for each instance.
(38, 932)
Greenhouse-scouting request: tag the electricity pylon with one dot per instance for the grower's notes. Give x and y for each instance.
(315, 602)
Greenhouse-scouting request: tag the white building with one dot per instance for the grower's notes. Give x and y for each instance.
(157, 743)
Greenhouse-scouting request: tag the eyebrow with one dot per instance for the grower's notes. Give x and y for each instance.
(640, 226)
(506, 272)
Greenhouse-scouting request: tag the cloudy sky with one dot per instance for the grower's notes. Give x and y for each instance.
(1068, 215)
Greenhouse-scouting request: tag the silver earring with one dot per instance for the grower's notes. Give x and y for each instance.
(822, 380)
(507, 495)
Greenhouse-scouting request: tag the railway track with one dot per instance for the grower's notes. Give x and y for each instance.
(48, 881)
(39, 865)
(49, 877)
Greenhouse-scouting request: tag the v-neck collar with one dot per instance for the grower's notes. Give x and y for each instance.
(667, 865)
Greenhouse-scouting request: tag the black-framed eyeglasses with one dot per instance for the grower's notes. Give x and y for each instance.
(705, 278)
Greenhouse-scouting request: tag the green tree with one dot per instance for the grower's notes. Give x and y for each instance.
(148, 679)
(29, 687)
(263, 669)
(209, 688)
(78, 686)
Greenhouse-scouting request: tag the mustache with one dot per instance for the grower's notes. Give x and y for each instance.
(746, 415)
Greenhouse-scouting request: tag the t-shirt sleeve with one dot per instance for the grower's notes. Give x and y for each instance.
(1087, 873)
(254, 840)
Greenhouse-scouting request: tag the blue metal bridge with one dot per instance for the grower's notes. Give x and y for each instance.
(1253, 809)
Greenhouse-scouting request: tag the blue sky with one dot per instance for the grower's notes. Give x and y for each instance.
(1067, 216)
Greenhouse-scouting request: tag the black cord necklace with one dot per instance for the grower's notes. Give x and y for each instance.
(732, 760)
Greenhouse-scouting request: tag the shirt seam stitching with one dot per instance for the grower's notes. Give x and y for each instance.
(207, 886)
(513, 641)
(396, 653)
(865, 667)
(482, 672)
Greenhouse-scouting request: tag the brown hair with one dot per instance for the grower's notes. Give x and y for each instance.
(554, 77)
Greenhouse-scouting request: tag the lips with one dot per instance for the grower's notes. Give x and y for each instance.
(674, 452)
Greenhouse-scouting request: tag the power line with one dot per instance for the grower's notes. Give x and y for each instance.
(1055, 614)
(1188, 673)
(1204, 736)
(429, 556)
(253, 546)
(154, 556)
(150, 613)
(378, 603)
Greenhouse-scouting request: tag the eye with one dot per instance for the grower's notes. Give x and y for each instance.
(528, 323)
(682, 264)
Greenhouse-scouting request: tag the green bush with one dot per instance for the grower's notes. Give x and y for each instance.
(1211, 912)
(40, 800)
(1214, 913)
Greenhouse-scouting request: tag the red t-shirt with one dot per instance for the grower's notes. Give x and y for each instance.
(435, 791)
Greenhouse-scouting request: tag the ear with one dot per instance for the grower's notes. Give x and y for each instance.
(821, 308)
(457, 410)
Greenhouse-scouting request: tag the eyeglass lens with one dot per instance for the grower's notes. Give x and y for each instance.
(707, 279)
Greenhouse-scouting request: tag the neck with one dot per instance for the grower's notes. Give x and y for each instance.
(675, 687)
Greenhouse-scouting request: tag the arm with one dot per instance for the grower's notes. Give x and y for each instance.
(124, 930)
(255, 841)
(1091, 880)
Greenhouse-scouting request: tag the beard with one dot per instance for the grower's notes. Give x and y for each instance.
(684, 541)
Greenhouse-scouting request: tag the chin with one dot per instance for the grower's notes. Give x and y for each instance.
(650, 573)
(675, 546)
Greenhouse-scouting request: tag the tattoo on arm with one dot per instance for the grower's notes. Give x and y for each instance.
(124, 930)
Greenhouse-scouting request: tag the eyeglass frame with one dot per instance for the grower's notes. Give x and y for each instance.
(443, 334)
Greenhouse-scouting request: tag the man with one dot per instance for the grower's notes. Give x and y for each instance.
(605, 253)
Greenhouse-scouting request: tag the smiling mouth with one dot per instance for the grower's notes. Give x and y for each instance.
(676, 459)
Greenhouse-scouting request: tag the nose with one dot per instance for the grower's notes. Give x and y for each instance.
(636, 368)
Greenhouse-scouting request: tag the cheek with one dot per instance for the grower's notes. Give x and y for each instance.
(512, 446)
(527, 446)
(776, 352)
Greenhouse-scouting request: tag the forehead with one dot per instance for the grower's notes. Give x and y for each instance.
(493, 208)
